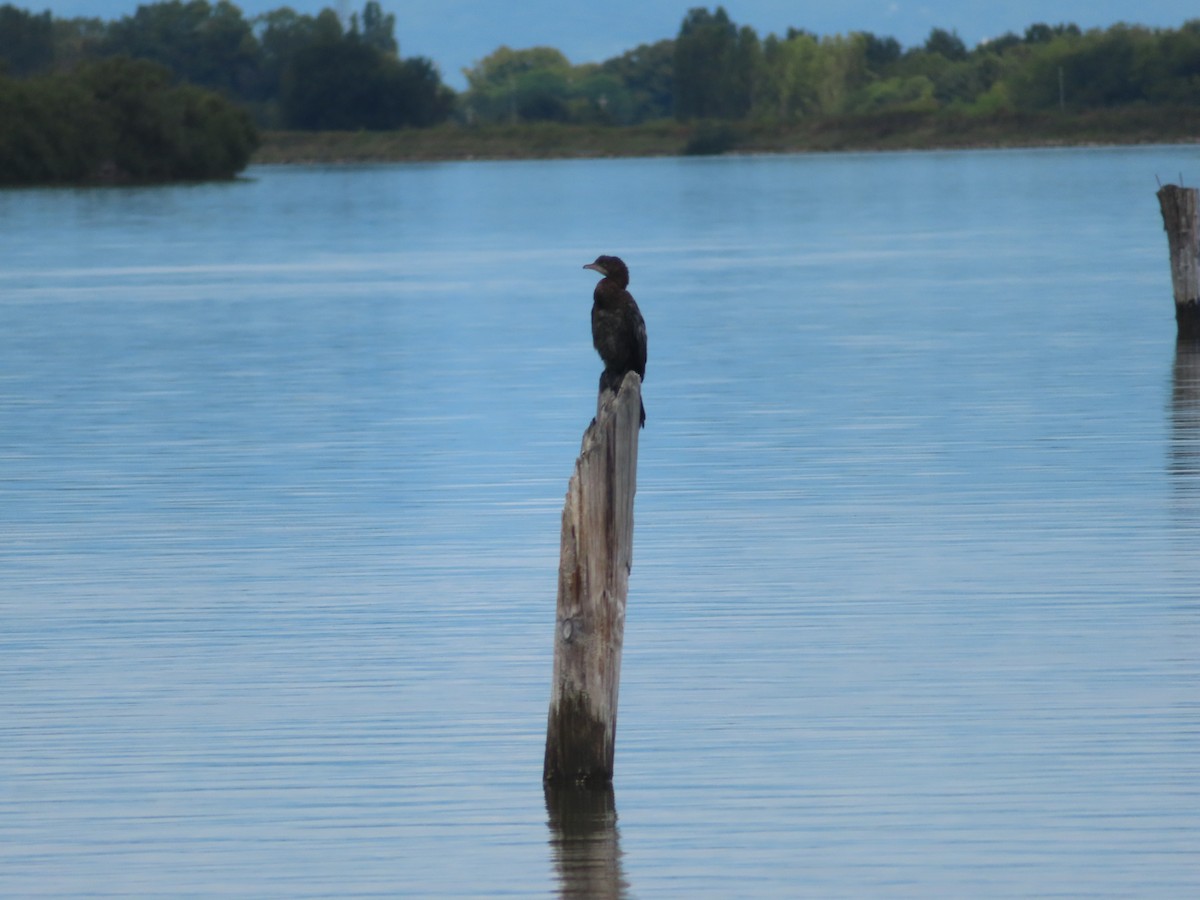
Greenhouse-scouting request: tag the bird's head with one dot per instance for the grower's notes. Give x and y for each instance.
(611, 267)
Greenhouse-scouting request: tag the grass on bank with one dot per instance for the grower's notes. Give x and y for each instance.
(890, 131)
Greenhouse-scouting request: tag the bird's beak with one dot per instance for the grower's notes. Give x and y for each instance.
(596, 268)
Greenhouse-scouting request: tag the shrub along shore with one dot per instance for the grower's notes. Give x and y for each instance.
(878, 132)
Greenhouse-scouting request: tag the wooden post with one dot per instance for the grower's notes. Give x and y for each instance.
(1179, 212)
(593, 580)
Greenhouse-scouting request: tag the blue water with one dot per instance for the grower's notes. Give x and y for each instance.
(915, 602)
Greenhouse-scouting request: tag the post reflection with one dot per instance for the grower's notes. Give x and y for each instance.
(586, 842)
(1184, 462)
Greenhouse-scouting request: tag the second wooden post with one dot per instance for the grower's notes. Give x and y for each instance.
(593, 582)
(1180, 219)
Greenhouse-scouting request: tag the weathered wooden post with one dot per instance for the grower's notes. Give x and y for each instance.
(1179, 212)
(593, 580)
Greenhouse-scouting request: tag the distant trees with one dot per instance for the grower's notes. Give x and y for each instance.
(326, 71)
(324, 76)
(1113, 67)
(329, 79)
(539, 84)
(344, 86)
(1171, 72)
(723, 71)
(645, 79)
(209, 45)
(510, 85)
(118, 120)
(378, 30)
(289, 69)
(715, 66)
(26, 41)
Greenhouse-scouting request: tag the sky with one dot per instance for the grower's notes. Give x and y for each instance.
(455, 34)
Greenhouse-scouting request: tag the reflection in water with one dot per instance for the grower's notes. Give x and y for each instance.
(1185, 429)
(587, 845)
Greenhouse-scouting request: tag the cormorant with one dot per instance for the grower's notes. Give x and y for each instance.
(618, 330)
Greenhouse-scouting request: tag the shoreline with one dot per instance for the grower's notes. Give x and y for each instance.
(881, 132)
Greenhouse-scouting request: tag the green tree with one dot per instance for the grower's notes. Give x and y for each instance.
(959, 78)
(77, 41)
(880, 53)
(509, 85)
(1041, 33)
(1100, 68)
(48, 129)
(346, 84)
(1170, 67)
(745, 72)
(789, 88)
(599, 96)
(896, 94)
(647, 74)
(377, 29)
(118, 120)
(209, 45)
(425, 99)
(281, 33)
(841, 69)
(946, 44)
(1001, 45)
(154, 131)
(26, 41)
(715, 66)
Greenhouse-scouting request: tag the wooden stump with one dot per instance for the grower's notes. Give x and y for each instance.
(593, 581)
(1179, 212)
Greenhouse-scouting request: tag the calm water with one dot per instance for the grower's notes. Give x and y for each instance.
(915, 605)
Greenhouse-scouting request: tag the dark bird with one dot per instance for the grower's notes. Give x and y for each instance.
(618, 330)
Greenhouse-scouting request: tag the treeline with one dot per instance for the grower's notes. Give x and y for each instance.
(118, 120)
(716, 70)
(285, 70)
(177, 89)
(319, 72)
